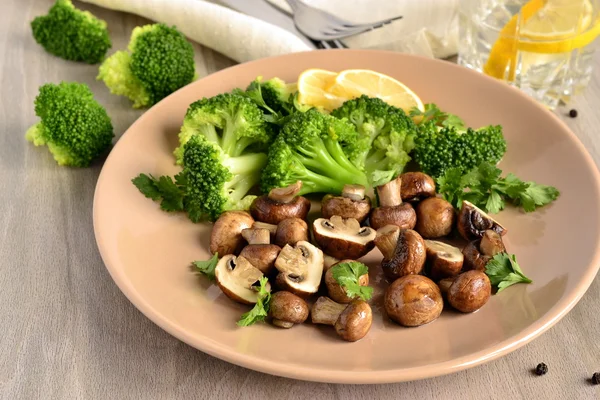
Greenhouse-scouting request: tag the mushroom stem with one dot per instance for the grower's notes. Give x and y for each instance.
(263, 225)
(282, 324)
(326, 311)
(285, 194)
(354, 192)
(256, 236)
(389, 194)
(386, 240)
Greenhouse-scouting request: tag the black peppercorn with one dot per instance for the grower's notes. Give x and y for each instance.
(541, 369)
(573, 113)
(596, 378)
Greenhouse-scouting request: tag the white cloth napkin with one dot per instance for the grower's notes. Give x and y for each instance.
(429, 27)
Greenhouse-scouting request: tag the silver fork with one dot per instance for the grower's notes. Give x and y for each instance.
(322, 26)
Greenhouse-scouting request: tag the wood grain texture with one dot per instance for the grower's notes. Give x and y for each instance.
(67, 332)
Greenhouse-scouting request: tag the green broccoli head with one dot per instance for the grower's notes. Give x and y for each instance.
(233, 122)
(159, 61)
(311, 148)
(275, 93)
(439, 148)
(386, 135)
(73, 125)
(216, 182)
(72, 34)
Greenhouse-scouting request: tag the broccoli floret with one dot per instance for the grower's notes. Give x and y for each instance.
(386, 135)
(74, 126)
(72, 34)
(311, 148)
(275, 93)
(158, 62)
(439, 148)
(232, 121)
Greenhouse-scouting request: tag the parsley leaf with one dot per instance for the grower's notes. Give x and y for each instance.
(170, 194)
(207, 267)
(438, 117)
(260, 310)
(347, 276)
(504, 271)
(147, 185)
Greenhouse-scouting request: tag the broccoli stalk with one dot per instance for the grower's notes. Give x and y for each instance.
(158, 62)
(72, 34)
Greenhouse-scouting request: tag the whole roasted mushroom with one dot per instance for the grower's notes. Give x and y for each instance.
(226, 235)
(351, 321)
(237, 278)
(287, 309)
(300, 269)
(416, 186)
(478, 253)
(279, 204)
(443, 260)
(435, 218)
(291, 231)
(413, 300)
(473, 222)
(259, 251)
(351, 204)
(343, 238)
(335, 290)
(408, 254)
(468, 291)
(391, 210)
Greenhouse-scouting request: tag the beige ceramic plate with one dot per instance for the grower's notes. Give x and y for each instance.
(148, 251)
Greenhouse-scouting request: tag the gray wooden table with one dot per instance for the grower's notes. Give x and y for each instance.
(67, 332)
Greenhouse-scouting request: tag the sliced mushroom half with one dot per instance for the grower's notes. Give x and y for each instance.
(343, 238)
(473, 222)
(300, 268)
(238, 279)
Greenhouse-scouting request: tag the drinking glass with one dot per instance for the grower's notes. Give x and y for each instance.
(544, 47)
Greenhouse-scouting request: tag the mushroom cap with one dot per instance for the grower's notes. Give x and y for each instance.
(300, 268)
(474, 259)
(355, 321)
(435, 218)
(267, 210)
(226, 235)
(262, 256)
(343, 238)
(409, 256)
(288, 307)
(345, 207)
(470, 291)
(413, 300)
(336, 292)
(443, 259)
(236, 277)
(386, 240)
(473, 222)
(291, 231)
(403, 216)
(416, 186)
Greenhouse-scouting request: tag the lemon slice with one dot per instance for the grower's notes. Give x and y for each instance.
(353, 83)
(559, 19)
(312, 89)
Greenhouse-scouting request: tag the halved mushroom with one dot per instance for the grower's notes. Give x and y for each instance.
(435, 218)
(291, 231)
(336, 291)
(238, 279)
(443, 259)
(279, 204)
(479, 252)
(226, 235)
(491, 243)
(300, 269)
(413, 300)
(468, 291)
(259, 251)
(391, 210)
(473, 222)
(351, 204)
(416, 186)
(343, 238)
(408, 256)
(351, 321)
(386, 240)
(287, 309)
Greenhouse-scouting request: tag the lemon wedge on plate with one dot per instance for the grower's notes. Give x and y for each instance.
(312, 89)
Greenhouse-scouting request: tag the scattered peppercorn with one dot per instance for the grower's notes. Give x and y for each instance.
(541, 369)
(596, 378)
(573, 113)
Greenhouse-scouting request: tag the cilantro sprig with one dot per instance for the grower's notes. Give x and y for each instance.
(504, 271)
(347, 276)
(260, 310)
(207, 267)
(438, 117)
(485, 188)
